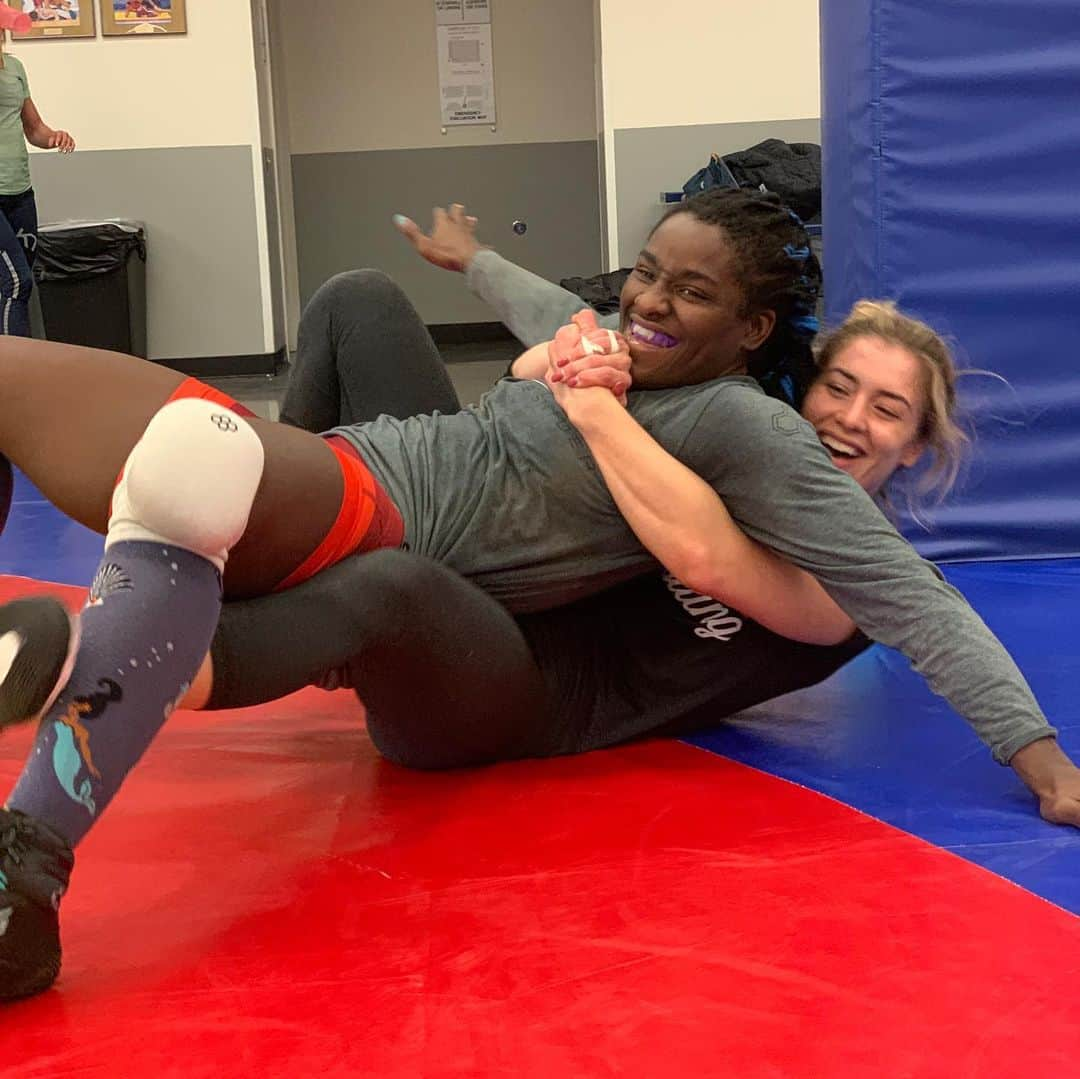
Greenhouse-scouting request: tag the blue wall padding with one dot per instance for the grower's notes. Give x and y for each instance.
(951, 148)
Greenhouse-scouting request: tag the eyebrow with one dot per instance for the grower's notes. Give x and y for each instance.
(880, 393)
(685, 275)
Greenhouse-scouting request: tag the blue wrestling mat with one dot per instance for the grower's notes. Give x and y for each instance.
(875, 738)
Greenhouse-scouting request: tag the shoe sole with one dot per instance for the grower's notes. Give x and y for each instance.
(23, 709)
(38, 982)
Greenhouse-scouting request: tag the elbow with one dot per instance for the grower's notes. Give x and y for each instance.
(828, 634)
(694, 566)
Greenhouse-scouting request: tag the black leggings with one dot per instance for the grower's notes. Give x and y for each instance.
(444, 672)
(18, 245)
(362, 350)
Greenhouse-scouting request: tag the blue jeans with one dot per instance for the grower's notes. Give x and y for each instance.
(18, 246)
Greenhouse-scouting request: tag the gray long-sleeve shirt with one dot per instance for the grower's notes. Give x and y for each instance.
(531, 307)
(508, 494)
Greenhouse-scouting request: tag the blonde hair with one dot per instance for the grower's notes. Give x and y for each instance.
(945, 440)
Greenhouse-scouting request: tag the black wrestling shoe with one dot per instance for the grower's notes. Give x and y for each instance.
(35, 864)
(38, 642)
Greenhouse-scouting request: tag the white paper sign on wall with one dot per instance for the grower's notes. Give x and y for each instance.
(466, 64)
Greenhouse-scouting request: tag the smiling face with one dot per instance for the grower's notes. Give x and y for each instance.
(682, 308)
(867, 408)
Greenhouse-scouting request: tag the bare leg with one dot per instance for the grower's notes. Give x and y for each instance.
(70, 416)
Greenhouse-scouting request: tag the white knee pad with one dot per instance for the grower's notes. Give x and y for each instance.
(190, 481)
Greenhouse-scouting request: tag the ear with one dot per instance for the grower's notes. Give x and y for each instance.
(912, 453)
(758, 328)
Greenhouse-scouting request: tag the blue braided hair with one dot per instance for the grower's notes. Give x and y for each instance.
(777, 271)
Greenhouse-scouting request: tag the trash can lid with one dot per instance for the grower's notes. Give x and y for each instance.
(67, 226)
(75, 250)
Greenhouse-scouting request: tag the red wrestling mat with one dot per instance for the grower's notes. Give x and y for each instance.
(267, 897)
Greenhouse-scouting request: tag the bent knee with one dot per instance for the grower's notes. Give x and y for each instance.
(191, 480)
(354, 290)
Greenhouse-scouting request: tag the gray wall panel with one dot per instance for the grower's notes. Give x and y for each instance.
(649, 160)
(344, 203)
(203, 290)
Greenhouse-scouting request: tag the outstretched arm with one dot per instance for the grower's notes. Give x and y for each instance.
(531, 307)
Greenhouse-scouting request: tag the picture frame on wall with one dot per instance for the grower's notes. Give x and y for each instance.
(121, 18)
(55, 19)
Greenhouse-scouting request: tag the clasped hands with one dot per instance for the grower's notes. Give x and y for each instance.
(583, 356)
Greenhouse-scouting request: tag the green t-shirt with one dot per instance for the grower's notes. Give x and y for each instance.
(14, 158)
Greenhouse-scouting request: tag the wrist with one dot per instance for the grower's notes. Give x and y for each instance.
(590, 408)
(467, 259)
(1041, 764)
(532, 363)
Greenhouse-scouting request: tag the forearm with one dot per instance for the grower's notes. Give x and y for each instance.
(532, 308)
(683, 522)
(40, 136)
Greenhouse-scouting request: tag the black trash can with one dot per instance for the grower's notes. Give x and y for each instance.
(91, 279)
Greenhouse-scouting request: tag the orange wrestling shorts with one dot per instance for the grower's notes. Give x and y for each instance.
(367, 520)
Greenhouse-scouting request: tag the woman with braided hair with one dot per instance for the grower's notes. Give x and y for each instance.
(546, 492)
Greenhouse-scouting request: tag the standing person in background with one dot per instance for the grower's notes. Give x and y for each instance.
(20, 123)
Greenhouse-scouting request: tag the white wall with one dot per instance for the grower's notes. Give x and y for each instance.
(728, 61)
(191, 90)
(122, 93)
(725, 63)
(364, 76)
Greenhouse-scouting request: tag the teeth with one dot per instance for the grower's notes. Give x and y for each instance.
(652, 337)
(839, 447)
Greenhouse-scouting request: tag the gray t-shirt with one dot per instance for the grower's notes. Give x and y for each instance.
(507, 494)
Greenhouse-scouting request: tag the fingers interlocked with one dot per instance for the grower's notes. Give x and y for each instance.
(583, 355)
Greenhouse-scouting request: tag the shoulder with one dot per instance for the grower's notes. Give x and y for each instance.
(15, 68)
(745, 410)
(720, 392)
(734, 407)
(734, 425)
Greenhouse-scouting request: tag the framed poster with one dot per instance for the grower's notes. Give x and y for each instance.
(119, 18)
(55, 18)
